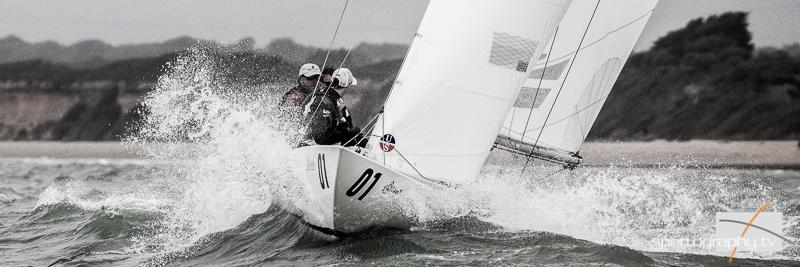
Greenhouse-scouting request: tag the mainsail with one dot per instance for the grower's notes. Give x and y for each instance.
(566, 89)
(461, 76)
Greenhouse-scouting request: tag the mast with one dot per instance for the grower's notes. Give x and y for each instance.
(462, 74)
(565, 91)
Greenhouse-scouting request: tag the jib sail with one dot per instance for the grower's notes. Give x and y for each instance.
(567, 87)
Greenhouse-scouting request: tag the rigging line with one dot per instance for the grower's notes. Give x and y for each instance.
(374, 118)
(580, 124)
(367, 135)
(383, 131)
(553, 173)
(360, 31)
(522, 82)
(559, 89)
(521, 174)
(415, 168)
(415, 38)
(649, 12)
(397, 75)
(510, 125)
(538, 87)
(568, 71)
(573, 114)
(358, 37)
(324, 62)
(527, 160)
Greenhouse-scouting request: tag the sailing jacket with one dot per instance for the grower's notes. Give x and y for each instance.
(331, 123)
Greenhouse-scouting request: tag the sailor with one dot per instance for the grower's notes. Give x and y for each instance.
(331, 122)
(307, 79)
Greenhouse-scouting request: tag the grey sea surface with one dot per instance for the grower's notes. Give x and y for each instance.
(109, 208)
(695, 153)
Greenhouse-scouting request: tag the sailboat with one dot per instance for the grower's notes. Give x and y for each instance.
(524, 76)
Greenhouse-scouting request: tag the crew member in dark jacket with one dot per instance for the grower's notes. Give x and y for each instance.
(331, 121)
(306, 80)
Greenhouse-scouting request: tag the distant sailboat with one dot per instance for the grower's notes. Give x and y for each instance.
(458, 95)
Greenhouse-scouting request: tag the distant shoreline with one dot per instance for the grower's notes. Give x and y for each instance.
(696, 153)
(690, 154)
(54, 149)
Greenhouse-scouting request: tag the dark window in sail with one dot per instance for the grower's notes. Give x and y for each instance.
(552, 73)
(527, 95)
(511, 51)
(522, 66)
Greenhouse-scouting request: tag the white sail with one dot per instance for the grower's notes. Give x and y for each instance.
(567, 88)
(461, 75)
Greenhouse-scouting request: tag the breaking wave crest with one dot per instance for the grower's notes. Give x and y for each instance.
(227, 143)
(220, 185)
(645, 209)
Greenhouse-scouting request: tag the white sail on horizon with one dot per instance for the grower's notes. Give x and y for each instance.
(561, 99)
(461, 76)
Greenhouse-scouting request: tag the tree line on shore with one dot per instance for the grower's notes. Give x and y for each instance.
(704, 81)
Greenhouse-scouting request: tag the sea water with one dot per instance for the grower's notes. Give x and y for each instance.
(134, 212)
(216, 185)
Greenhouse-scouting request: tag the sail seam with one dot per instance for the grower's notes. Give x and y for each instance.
(482, 94)
(589, 25)
(649, 12)
(570, 115)
(530, 154)
(539, 87)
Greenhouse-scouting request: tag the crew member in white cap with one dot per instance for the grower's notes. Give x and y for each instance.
(331, 121)
(342, 78)
(306, 80)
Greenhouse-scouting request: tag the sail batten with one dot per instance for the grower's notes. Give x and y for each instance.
(593, 43)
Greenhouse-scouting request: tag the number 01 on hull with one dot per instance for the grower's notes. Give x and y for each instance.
(350, 192)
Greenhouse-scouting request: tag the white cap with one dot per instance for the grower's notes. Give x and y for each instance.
(345, 77)
(309, 69)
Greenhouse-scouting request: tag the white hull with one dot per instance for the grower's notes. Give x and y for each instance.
(352, 192)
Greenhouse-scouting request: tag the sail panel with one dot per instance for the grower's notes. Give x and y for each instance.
(579, 80)
(461, 76)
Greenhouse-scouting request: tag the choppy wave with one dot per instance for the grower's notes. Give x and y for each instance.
(219, 187)
(634, 207)
(501, 219)
(8, 195)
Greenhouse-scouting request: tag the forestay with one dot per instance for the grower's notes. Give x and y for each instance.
(566, 89)
(462, 73)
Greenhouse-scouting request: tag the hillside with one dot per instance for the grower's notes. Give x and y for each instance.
(96, 53)
(42, 100)
(704, 81)
(89, 53)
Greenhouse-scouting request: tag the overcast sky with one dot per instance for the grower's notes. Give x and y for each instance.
(773, 22)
